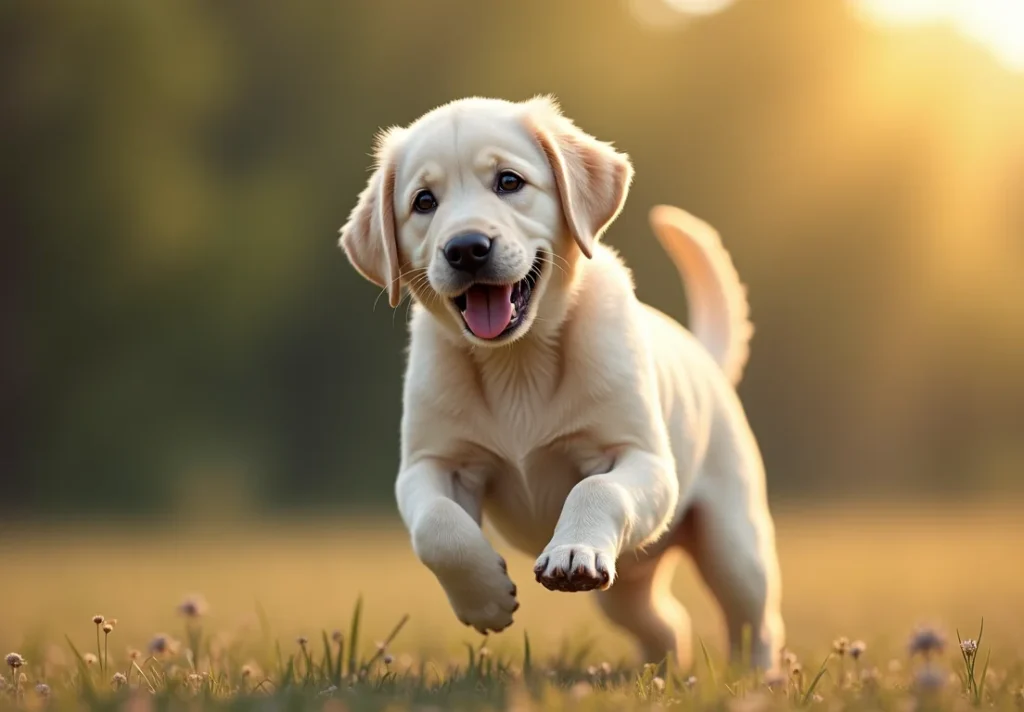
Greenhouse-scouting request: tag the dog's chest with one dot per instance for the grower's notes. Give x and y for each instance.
(523, 499)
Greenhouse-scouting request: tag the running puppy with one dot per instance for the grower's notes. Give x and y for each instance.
(596, 433)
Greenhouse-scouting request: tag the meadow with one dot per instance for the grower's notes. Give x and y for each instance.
(339, 615)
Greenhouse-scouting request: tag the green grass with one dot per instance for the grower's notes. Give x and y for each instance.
(329, 674)
(341, 589)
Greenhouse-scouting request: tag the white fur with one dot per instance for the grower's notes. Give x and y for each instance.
(604, 438)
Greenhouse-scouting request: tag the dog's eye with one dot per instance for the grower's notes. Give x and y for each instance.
(424, 202)
(508, 182)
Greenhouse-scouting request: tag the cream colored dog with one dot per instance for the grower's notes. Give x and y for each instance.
(593, 431)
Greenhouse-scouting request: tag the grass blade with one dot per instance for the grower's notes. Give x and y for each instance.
(817, 678)
(353, 636)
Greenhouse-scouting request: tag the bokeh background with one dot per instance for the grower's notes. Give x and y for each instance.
(184, 342)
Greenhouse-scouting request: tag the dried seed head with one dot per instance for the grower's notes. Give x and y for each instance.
(107, 627)
(606, 668)
(97, 619)
(789, 658)
(840, 645)
(134, 653)
(927, 641)
(193, 607)
(388, 659)
(381, 645)
(969, 647)
(592, 671)
(484, 652)
(857, 649)
(690, 681)
(246, 671)
(112, 621)
(118, 680)
(302, 640)
(796, 670)
(337, 636)
(90, 659)
(14, 660)
(43, 690)
(658, 684)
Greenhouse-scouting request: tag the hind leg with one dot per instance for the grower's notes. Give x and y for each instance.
(732, 540)
(641, 602)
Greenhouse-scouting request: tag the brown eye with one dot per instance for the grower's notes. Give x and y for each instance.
(424, 202)
(508, 182)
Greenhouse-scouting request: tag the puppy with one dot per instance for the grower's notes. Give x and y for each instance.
(593, 431)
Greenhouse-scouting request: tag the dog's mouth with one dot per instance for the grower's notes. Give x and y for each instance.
(494, 311)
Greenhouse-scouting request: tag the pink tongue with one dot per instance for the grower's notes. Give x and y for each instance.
(488, 309)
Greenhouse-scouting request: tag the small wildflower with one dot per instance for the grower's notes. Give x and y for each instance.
(658, 684)
(840, 645)
(246, 671)
(14, 661)
(592, 671)
(98, 619)
(606, 668)
(753, 702)
(929, 679)
(90, 659)
(388, 659)
(926, 641)
(580, 690)
(302, 640)
(773, 680)
(969, 647)
(690, 682)
(112, 622)
(134, 653)
(789, 658)
(796, 670)
(118, 680)
(857, 649)
(195, 678)
(108, 627)
(43, 690)
(159, 645)
(483, 652)
(193, 607)
(337, 636)
(381, 645)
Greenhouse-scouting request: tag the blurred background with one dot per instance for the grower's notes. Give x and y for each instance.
(184, 341)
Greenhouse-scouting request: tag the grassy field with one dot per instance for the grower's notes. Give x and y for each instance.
(873, 575)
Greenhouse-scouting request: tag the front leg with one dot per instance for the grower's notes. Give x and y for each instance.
(606, 515)
(443, 518)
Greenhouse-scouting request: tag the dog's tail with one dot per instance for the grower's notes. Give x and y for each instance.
(717, 299)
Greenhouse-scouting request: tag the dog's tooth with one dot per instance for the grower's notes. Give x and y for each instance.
(515, 311)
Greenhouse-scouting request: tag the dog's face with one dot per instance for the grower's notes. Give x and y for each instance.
(482, 208)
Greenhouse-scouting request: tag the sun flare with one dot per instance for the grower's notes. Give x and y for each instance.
(998, 25)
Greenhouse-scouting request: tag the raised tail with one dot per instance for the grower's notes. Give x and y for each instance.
(719, 312)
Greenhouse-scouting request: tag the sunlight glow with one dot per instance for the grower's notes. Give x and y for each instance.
(698, 7)
(998, 25)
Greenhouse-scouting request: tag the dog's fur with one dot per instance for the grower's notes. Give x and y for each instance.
(600, 436)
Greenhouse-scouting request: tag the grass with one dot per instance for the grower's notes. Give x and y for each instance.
(342, 617)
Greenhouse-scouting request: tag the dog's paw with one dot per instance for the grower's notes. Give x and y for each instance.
(575, 567)
(483, 597)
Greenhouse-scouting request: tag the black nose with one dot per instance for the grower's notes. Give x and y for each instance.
(468, 252)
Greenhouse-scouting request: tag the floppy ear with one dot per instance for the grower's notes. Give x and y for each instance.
(592, 177)
(369, 237)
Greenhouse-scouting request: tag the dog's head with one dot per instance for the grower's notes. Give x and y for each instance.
(482, 208)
